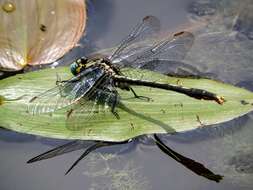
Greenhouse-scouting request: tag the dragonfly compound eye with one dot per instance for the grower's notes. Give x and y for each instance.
(74, 67)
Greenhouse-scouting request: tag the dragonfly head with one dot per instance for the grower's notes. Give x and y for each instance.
(78, 66)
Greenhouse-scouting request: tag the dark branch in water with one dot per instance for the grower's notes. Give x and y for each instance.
(194, 166)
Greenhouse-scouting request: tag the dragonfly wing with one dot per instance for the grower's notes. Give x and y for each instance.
(79, 113)
(96, 102)
(65, 93)
(149, 26)
(174, 48)
(160, 56)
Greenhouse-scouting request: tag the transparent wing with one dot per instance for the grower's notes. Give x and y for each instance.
(78, 115)
(65, 93)
(173, 48)
(87, 107)
(146, 28)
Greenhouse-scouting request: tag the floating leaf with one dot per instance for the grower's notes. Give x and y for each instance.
(168, 112)
(34, 32)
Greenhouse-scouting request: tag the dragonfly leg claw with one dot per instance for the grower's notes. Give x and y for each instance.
(114, 104)
(145, 98)
(116, 114)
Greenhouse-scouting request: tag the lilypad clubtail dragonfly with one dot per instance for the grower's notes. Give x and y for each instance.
(96, 79)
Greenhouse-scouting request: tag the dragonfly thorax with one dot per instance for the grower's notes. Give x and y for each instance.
(84, 63)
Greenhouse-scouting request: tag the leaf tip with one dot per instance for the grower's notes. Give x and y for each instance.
(2, 100)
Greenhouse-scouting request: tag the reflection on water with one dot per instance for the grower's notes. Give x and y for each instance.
(224, 45)
(242, 162)
(223, 50)
(190, 164)
(235, 157)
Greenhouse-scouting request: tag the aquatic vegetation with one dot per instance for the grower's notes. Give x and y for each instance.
(163, 115)
(35, 32)
(104, 173)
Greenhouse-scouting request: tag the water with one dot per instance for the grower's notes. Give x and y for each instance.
(219, 52)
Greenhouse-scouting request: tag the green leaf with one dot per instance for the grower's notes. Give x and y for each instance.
(168, 112)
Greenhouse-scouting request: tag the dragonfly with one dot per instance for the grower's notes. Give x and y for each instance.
(96, 79)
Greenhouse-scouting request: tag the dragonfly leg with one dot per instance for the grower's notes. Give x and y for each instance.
(140, 97)
(58, 80)
(60, 86)
(114, 103)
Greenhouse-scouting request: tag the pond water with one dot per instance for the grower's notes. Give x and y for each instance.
(222, 50)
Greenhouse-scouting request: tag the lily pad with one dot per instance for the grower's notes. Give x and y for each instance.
(36, 32)
(167, 112)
